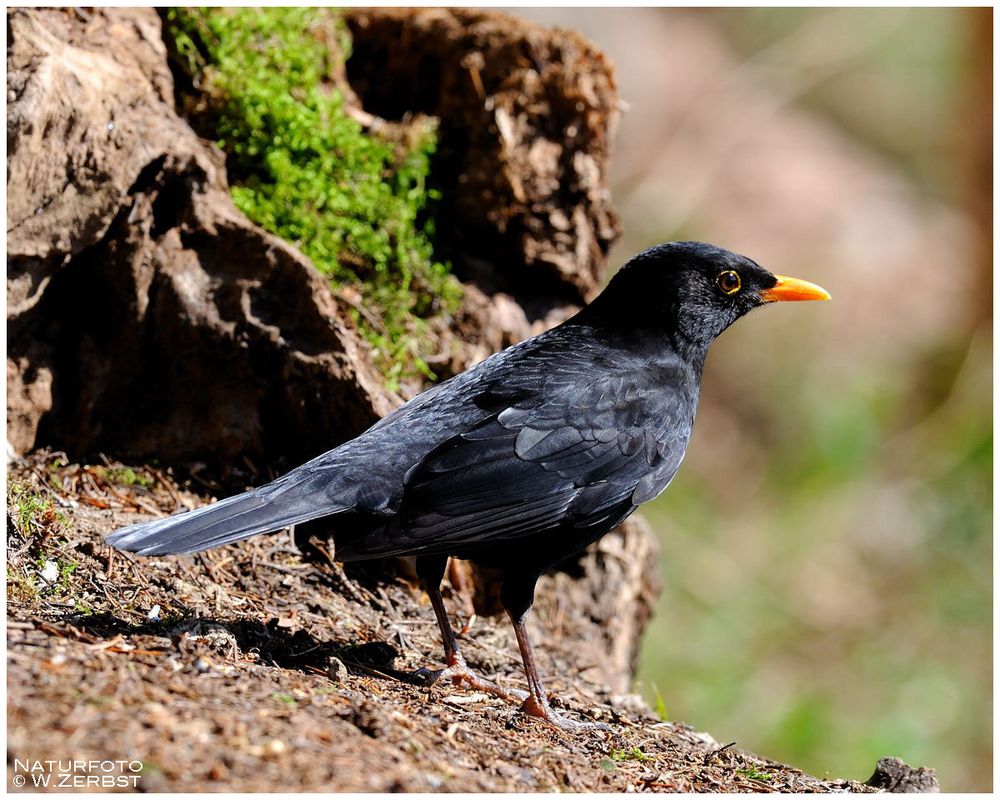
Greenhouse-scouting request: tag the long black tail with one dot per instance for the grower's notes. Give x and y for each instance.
(264, 510)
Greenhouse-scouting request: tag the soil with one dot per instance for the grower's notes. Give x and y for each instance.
(253, 668)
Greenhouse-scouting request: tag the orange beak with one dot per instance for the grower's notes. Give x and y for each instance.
(793, 289)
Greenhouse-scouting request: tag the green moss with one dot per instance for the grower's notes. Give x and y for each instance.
(64, 570)
(754, 774)
(36, 520)
(305, 170)
(628, 754)
(126, 476)
(30, 510)
(21, 589)
(287, 699)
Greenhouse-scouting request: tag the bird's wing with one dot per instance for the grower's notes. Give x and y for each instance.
(566, 455)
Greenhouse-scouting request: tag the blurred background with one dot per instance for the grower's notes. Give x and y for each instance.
(826, 548)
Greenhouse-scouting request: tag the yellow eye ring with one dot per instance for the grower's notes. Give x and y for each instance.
(728, 282)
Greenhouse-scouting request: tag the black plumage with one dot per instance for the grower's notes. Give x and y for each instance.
(527, 457)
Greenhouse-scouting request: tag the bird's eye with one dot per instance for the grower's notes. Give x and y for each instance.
(728, 282)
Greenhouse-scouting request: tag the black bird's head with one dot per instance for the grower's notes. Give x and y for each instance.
(691, 292)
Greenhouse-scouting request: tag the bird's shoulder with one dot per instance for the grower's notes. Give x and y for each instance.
(568, 376)
(594, 381)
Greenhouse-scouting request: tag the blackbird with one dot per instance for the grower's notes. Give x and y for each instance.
(524, 459)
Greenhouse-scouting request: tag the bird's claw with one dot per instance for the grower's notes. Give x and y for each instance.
(540, 709)
(460, 673)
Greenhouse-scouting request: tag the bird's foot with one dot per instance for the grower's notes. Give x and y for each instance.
(458, 673)
(540, 708)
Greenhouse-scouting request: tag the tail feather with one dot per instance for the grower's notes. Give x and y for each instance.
(227, 521)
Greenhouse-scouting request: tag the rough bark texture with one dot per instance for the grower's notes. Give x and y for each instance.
(146, 315)
(527, 115)
(896, 776)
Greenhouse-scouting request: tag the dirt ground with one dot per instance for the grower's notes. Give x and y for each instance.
(251, 668)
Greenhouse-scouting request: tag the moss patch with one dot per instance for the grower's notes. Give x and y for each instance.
(755, 774)
(628, 754)
(31, 512)
(33, 522)
(302, 168)
(127, 476)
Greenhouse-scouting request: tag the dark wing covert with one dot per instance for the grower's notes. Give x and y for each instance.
(578, 449)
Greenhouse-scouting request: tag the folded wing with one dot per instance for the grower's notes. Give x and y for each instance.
(583, 453)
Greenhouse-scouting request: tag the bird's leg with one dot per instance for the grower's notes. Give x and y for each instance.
(518, 597)
(430, 570)
(452, 656)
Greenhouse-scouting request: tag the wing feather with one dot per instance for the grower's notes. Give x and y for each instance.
(526, 466)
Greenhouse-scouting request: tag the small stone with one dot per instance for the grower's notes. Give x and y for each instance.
(896, 776)
(336, 671)
(275, 747)
(156, 714)
(629, 702)
(221, 640)
(49, 572)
